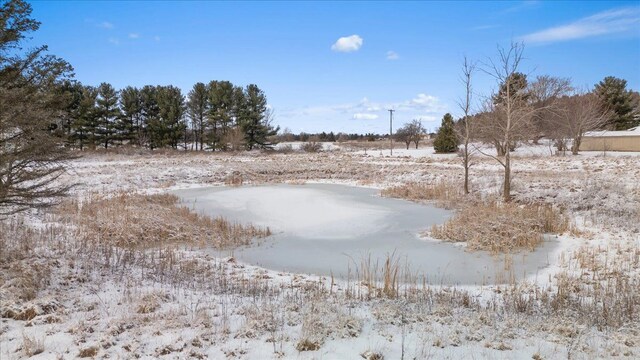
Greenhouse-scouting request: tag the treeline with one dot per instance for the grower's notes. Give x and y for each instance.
(547, 107)
(288, 136)
(214, 116)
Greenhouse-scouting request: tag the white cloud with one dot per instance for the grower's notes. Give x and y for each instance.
(156, 38)
(348, 44)
(105, 25)
(114, 41)
(392, 55)
(602, 23)
(134, 36)
(364, 116)
(424, 101)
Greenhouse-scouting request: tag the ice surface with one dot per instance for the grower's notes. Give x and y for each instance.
(331, 229)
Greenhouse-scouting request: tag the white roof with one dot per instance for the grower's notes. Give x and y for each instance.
(631, 132)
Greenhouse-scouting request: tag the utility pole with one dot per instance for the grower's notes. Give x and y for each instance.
(391, 129)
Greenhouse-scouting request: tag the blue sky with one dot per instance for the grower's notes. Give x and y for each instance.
(337, 66)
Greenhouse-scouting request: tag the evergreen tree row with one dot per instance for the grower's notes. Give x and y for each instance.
(213, 116)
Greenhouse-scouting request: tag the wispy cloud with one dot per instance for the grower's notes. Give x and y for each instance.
(348, 44)
(607, 22)
(421, 106)
(392, 55)
(105, 25)
(113, 41)
(364, 116)
(134, 36)
(156, 38)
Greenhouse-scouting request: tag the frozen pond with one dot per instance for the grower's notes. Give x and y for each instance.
(330, 229)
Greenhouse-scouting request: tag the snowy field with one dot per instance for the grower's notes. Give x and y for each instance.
(194, 304)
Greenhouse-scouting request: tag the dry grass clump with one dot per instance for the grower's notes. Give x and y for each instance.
(234, 179)
(23, 269)
(381, 281)
(142, 221)
(603, 286)
(88, 352)
(32, 346)
(17, 240)
(600, 287)
(321, 320)
(502, 227)
(151, 302)
(371, 355)
(444, 194)
(311, 147)
(307, 345)
(284, 149)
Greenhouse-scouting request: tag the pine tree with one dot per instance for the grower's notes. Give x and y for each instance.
(70, 92)
(446, 140)
(108, 115)
(32, 158)
(150, 113)
(84, 118)
(517, 90)
(197, 108)
(614, 97)
(221, 106)
(168, 128)
(255, 119)
(131, 123)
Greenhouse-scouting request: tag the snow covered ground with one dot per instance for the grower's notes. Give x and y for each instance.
(185, 303)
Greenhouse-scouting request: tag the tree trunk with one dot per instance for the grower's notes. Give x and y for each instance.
(576, 145)
(500, 149)
(466, 167)
(507, 177)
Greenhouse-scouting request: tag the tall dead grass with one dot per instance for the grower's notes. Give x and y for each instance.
(502, 227)
(22, 272)
(143, 221)
(444, 194)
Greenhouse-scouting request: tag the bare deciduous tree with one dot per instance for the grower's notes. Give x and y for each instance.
(578, 114)
(411, 132)
(510, 118)
(402, 135)
(465, 132)
(544, 93)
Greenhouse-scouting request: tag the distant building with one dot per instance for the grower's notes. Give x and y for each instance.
(627, 140)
